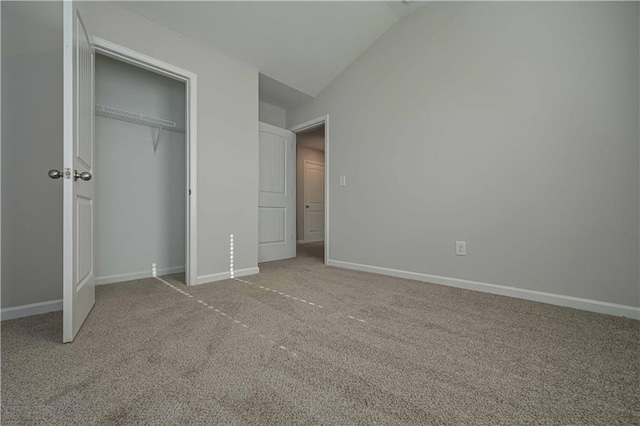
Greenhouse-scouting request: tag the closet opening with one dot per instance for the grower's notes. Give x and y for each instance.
(145, 168)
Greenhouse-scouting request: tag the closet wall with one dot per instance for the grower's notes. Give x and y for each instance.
(140, 196)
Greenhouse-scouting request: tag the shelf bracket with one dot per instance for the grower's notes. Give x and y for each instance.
(156, 139)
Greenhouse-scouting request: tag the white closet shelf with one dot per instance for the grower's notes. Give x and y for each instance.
(134, 117)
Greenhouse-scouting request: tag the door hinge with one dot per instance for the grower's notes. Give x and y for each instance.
(67, 173)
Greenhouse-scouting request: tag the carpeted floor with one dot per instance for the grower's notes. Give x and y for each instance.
(304, 343)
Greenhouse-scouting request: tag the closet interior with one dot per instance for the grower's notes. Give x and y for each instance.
(140, 172)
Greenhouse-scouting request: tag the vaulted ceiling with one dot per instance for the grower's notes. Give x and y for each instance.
(303, 44)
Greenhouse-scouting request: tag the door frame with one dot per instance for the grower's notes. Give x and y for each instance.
(190, 80)
(304, 194)
(305, 126)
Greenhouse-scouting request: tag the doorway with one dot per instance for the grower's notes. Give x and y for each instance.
(140, 173)
(310, 185)
(163, 135)
(311, 189)
(285, 156)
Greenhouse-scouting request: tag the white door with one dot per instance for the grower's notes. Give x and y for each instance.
(313, 179)
(79, 189)
(277, 189)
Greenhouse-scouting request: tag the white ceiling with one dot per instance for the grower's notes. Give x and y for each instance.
(303, 44)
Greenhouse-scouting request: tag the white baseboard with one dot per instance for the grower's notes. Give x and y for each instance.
(227, 275)
(56, 305)
(31, 309)
(536, 296)
(111, 279)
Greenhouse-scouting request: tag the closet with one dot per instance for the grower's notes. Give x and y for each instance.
(140, 158)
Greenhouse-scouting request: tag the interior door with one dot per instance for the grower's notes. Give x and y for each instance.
(313, 179)
(277, 189)
(79, 188)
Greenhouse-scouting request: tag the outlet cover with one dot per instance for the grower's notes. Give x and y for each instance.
(461, 248)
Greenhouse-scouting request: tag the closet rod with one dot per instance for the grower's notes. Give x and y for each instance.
(133, 117)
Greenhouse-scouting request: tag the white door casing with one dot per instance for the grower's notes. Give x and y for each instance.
(78, 156)
(276, 197)
(313, 179)
(190, 79)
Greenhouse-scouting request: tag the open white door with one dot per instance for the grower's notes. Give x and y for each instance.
(79, 189)
(277, 192)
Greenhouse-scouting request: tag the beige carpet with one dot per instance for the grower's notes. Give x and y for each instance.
(379, 350)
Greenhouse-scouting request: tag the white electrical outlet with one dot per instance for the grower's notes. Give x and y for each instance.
(343, 181)
(461, 248)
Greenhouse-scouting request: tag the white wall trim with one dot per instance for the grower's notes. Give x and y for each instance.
(190, 79)
(306, 125)
(31, 309)
(118, 278)
(536, 296)
(227, 275)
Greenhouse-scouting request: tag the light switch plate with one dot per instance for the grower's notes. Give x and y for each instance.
(343, 181)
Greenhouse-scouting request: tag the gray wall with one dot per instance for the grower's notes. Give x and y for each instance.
(31, 145)
(303, 154)
(32, 87)
(272, 114)
(140, 196)
(513, 126)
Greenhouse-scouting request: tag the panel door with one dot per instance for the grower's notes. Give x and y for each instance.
(313, 202)
(79, 188)
(276, 199)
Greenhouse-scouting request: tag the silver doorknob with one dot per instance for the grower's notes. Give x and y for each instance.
(55, 174)
(83, 175)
